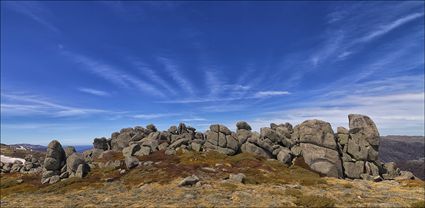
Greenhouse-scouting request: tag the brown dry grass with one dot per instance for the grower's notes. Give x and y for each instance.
(314, 201)
(413, 183)
(257, 169)
(112, 156)
(268, 183)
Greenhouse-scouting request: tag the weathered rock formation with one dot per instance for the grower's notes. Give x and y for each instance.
(351, 153)
(359, 148)
(221, 139)
(319, 147)
(60, 164)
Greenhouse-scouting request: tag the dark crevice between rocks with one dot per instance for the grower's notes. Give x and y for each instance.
(340, 153)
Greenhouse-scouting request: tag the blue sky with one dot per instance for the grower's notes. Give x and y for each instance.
(79, 70)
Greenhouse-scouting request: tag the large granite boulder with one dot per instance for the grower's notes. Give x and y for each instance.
(317, 132)
(323, 160)
(122, 139)
(69, 150)
(73, 161)
(54, 161)
(221, 139)
(363, 125)
(55, 156)
(359, 147)
(319, 148)
(242, 135)
(363, 140)
(354, 169)
(258, 146)
(101, 143)
(243, 125)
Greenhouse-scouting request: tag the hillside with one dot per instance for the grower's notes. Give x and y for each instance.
(407, 151)
(306, 165)
(155, 183)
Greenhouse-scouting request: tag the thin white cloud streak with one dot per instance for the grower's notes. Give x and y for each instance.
(193, 119)
(155, 116)
(263, 94)
(25, 105)
(342, 37)
(94, 91)
(153, 76)
(32, 9)
(114, 75)
(384, 29)
(260, 94)
(212, 82)
(225, 107)
(219, 87)
(329, 49)
(176, 75)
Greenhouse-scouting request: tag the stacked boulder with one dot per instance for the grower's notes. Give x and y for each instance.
(139, 141)
(221, 139)
(318, 147)
(123, 139)
(32, 165)
(273, 142)
(183, 138)
(60, 164)
(53, 163)
(76, 166)
(359, 148)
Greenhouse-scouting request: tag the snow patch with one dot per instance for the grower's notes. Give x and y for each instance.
(21, 148)
(6, 159)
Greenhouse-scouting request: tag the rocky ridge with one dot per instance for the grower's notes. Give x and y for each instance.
(349, 153)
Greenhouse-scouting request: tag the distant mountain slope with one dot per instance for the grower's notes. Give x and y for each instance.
(401, 148)
(29, 147)
(407, 151)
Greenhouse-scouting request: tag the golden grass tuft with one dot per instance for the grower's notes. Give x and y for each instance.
(229, 186)
(419, 204)
(293, 192)
(412, 183)
(347, 185)
(314, 201)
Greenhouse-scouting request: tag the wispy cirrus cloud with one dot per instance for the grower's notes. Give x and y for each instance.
(154, 77)
(344, 38)
(113, 74)
(213, 83)
(263, 94)
(34, 10)
(256, 95)
(386, 28)
(177, 75)
(93, 91)
(24, 104)
(217, 86)
(193, 119)
(155, 115)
